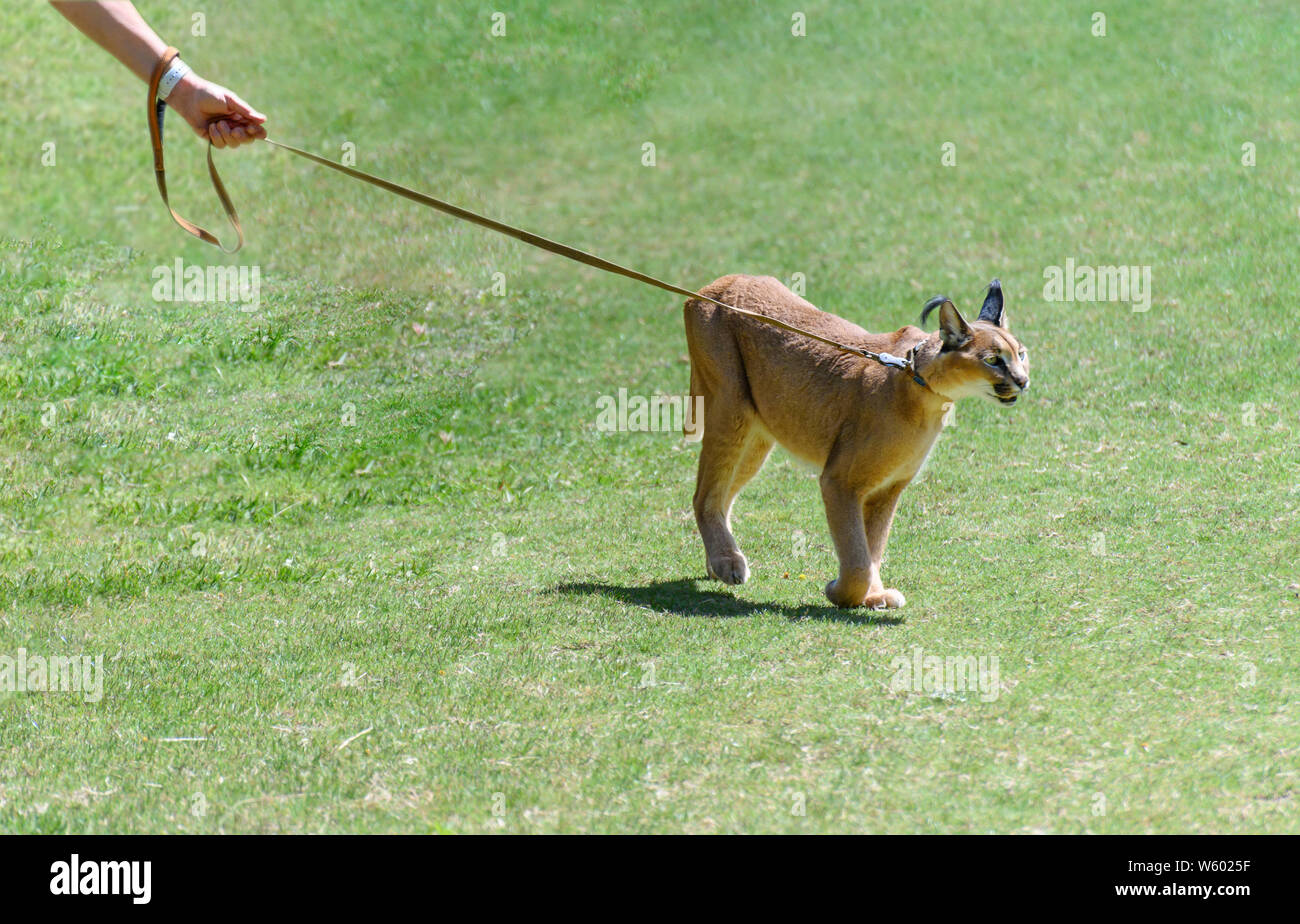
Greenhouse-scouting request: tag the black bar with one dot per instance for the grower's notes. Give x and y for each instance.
(334, 874)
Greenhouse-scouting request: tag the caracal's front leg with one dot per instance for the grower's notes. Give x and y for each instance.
(877, 516)
(844, 516)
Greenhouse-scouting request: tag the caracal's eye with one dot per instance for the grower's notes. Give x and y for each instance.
(1023, 356)
(992, 360)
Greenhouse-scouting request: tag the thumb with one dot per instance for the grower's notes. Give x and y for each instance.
(238, 107)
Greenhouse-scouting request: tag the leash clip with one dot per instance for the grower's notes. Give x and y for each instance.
(896, 362)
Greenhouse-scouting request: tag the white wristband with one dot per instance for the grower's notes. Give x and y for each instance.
(174, 74)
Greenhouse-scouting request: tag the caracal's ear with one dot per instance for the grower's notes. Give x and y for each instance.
(952, 326)
(992, 310)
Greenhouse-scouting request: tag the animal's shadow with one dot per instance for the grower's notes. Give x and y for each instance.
(685, 598)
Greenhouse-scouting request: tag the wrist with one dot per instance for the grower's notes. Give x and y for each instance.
(178, 72)
(183, 94)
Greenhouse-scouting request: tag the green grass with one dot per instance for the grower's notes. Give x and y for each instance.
(380, 502)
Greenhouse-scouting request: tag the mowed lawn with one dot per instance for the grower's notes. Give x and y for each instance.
(359, 560)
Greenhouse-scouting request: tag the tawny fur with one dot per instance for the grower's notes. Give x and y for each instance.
(868, 428)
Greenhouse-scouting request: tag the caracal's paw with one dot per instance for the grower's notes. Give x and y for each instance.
(729, 567)
(887, 599)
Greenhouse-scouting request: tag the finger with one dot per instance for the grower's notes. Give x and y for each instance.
(238, 136)
(241, 108)
(219, 132)
(247, 125)
(256, 132)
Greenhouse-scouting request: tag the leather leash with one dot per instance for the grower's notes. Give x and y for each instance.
(156, 110)
(157, 107)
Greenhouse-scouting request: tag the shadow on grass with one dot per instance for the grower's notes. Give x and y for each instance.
(685, 598)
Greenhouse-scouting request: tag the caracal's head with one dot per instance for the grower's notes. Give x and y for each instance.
(980, 358)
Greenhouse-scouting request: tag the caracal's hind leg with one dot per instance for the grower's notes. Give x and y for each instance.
(732, 446)
(727, 446)
(753, 453)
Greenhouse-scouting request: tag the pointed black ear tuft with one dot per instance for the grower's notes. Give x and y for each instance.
(992, 310)
(931, 305)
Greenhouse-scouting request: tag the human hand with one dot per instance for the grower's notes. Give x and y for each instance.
(216, 113)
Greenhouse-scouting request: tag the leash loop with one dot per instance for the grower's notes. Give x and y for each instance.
(157, 108)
